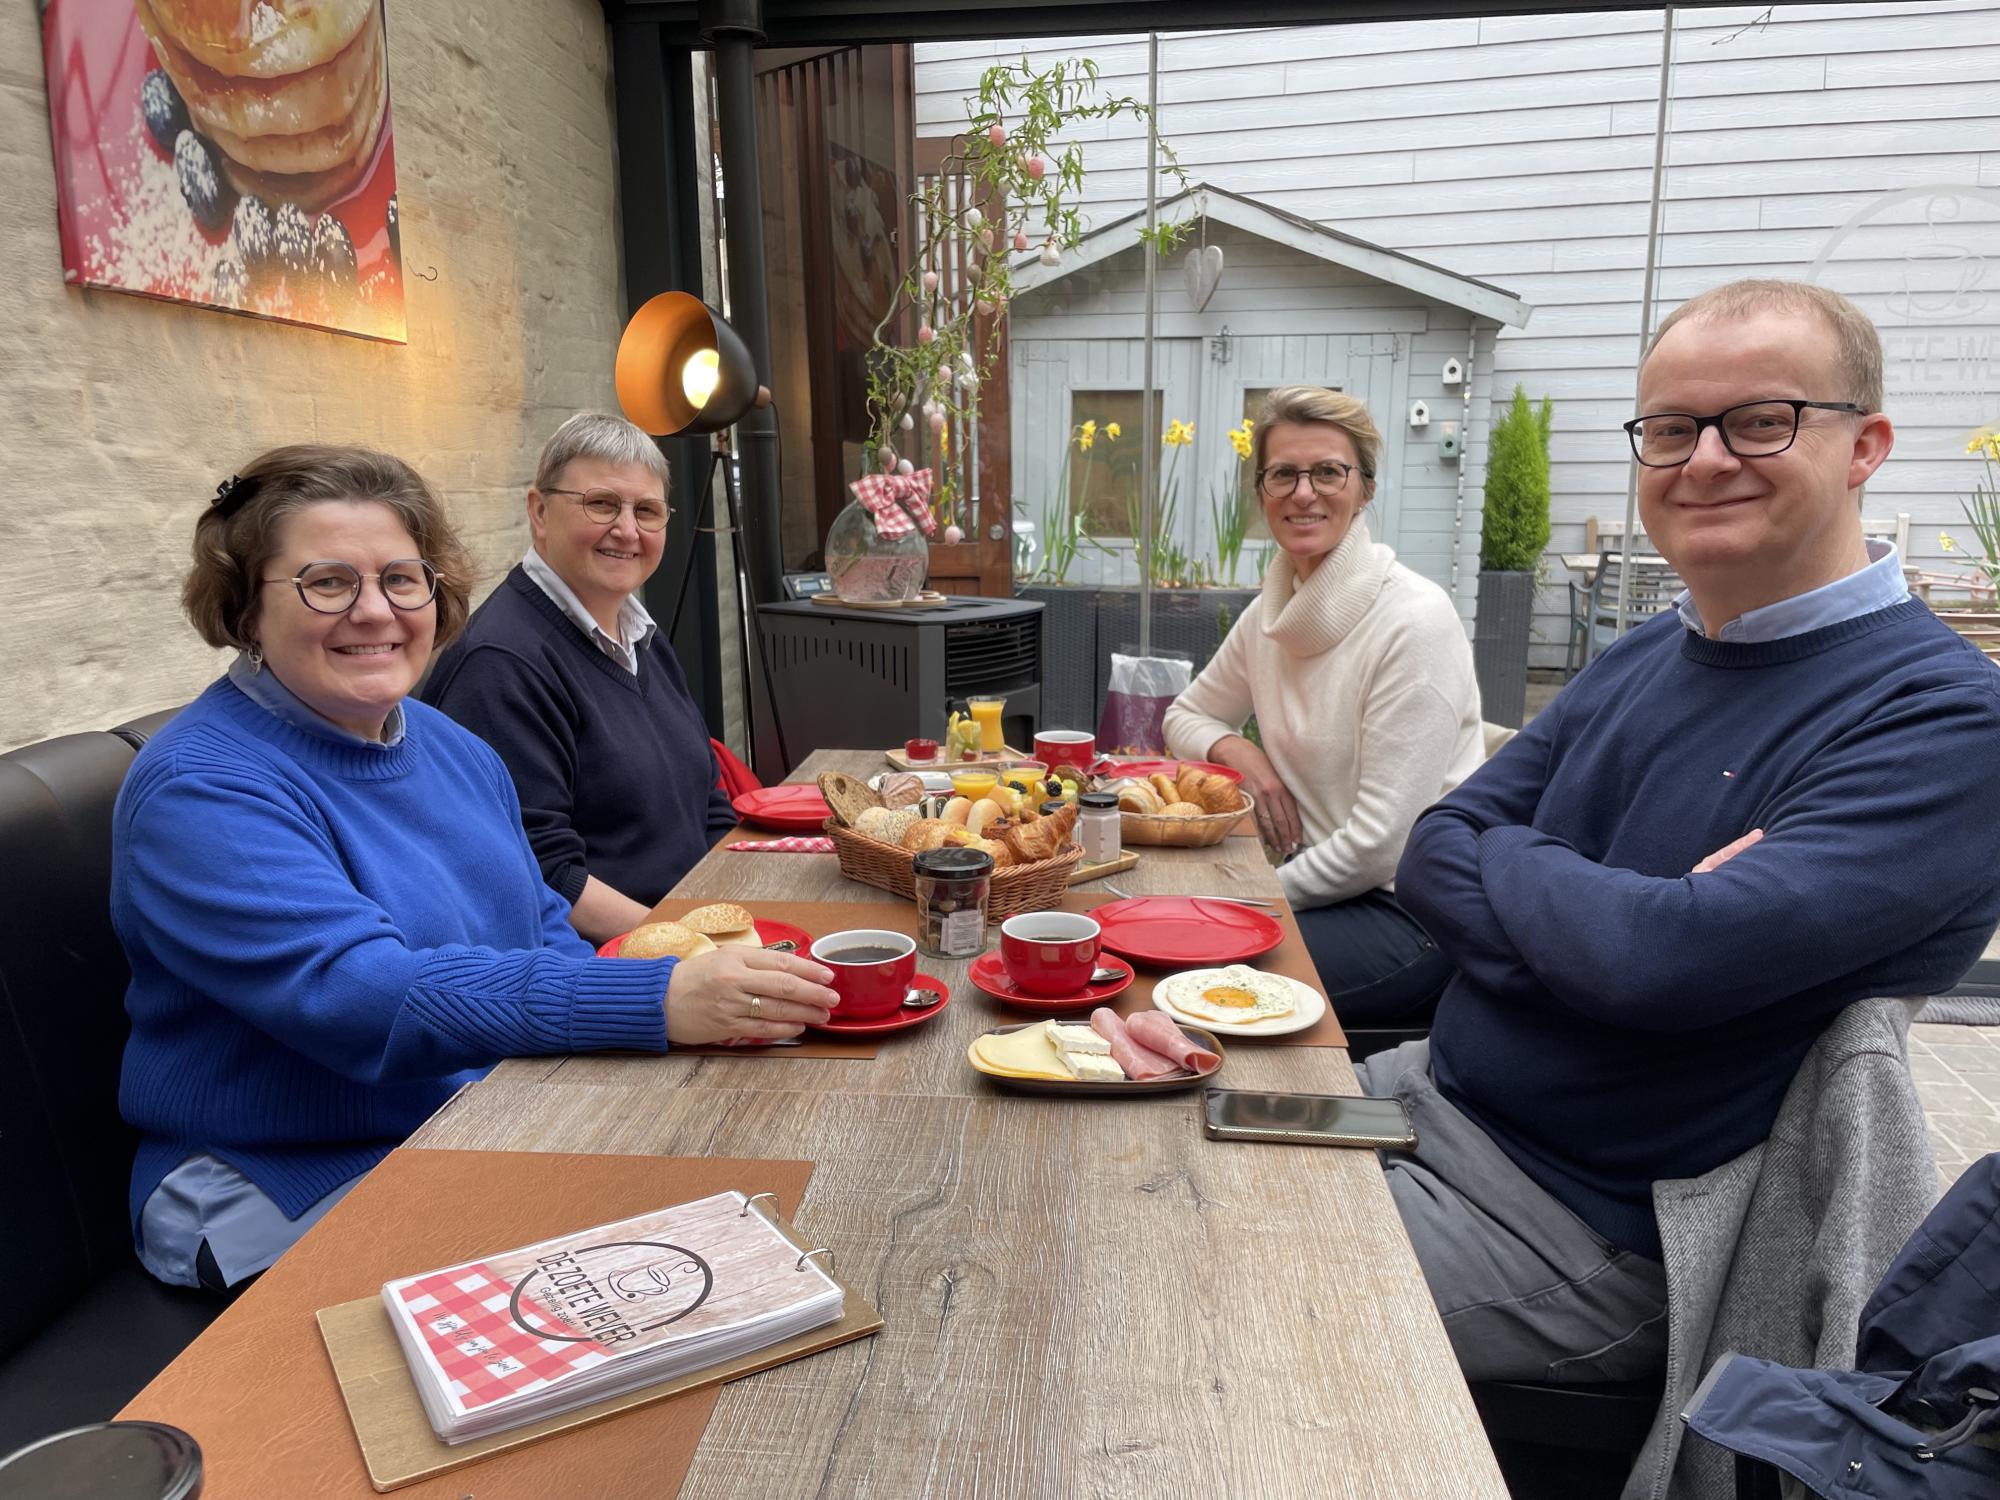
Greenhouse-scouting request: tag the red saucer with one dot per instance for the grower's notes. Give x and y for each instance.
(768, 932)
(899, 1019)
(990, 974)
(791, 808)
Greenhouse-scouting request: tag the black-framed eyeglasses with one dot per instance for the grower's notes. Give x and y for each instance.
(1329, 477)
(332, 588)
(1750, 429)
(605, 506)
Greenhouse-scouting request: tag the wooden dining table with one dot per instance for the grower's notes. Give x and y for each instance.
(1082, 1296)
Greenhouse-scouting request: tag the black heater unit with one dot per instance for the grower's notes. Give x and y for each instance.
(869, 679)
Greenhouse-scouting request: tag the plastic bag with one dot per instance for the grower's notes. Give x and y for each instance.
(1135, 704)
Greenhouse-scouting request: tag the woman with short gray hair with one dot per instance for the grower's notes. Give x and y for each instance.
(564, 672)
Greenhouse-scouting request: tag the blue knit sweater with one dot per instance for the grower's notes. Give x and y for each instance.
(327, 940)
(613, 769)
(1617, 1020)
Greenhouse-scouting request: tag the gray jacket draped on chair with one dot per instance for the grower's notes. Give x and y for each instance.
(1774, 1253)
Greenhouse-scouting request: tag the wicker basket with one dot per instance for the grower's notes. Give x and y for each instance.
(1181, 833)
(1016, 888)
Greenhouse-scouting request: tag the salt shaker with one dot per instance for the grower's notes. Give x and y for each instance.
(1097, 827)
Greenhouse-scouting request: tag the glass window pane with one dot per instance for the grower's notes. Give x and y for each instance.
(1104, 470)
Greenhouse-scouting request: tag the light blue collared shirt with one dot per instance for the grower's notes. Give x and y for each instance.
(1862, 592)
(263, 689)
(634, 623)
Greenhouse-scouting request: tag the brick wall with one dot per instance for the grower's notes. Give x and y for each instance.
(122, 414)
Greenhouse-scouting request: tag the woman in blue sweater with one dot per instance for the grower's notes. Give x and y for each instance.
(332, 914)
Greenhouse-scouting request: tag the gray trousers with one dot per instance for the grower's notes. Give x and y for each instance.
(1527, 1290)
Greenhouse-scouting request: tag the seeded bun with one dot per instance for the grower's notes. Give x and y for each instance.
(665, 940)
(723, 923)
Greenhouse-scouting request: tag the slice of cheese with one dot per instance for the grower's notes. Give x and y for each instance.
(1078, 1039)
(1026, 1053)
(1088, 1067)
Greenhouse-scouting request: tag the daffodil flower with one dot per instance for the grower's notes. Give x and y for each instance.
(1946, 543)
(1111, 431)
(1239, 439)
(1086, 435)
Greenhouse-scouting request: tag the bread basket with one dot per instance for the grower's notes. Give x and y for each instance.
(1185, 832)
(1016, 888)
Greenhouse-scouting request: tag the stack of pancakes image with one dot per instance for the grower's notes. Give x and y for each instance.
(292, 92)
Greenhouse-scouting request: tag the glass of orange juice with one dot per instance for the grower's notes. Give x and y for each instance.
(972, 785)
(986, 714)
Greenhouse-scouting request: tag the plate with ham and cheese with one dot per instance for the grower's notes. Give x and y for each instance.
(1146, 1054)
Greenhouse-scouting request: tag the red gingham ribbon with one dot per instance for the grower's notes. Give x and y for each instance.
(486, 1356)
(897, 501)
(800, 844)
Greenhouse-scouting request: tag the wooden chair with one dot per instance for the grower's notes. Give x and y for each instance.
(1894, 528)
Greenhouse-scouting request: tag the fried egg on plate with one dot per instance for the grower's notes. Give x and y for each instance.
(1237, 996)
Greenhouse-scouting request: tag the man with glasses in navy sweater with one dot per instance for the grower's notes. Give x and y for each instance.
(1742, 817)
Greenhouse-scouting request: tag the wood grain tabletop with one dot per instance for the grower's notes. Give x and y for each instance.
(1083, 1297)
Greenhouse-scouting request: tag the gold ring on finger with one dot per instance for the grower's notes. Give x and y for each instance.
(756, 1006)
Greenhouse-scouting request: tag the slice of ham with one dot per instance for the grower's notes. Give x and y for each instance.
(1139, 1062)
(1157, 1032)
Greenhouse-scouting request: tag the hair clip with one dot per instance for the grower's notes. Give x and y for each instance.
(233, 494)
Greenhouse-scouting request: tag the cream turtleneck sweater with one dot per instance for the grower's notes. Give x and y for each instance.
(1361, 680)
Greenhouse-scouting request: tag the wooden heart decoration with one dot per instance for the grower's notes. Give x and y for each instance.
(1201, 271)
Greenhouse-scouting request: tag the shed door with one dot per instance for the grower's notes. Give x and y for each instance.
(1242, 369)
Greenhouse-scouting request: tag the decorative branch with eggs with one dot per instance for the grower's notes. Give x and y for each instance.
(1010, 189)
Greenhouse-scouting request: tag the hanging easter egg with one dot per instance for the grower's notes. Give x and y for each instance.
(974, 218)
(887, 455)
(908, 423)
(1020, 239)
(965, 358)
(904, 466)
(926, 334)
(997, 134)
(952, 534)
(1051, 256)
(930, 281)
(985, 307)
(1035, 167)
(937, 421)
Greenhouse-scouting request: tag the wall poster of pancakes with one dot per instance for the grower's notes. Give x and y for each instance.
(230, 153)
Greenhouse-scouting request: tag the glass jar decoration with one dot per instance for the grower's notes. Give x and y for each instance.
(876, 549)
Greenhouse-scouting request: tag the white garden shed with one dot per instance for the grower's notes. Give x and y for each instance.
(1295, 303)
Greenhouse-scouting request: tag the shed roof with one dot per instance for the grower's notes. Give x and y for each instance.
(1480, 298)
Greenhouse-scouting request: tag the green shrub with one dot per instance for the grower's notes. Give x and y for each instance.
(1516, 528)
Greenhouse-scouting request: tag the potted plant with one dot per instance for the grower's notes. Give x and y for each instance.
(1513, 534)
(1977, 615)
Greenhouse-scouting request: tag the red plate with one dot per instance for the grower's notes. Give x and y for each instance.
(1169, 768)
(788, 809)
(900, 1019)
(768, 932)
(990, 974)
(1181, 932)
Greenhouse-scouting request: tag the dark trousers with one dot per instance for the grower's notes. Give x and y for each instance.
(1377, 965)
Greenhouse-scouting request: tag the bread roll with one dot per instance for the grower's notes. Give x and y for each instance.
(1188, 784)
(885, 824)
(723, 923)
(902, 790)
(985, 813)
(1164, 789)
(664, 940)
(1220, 795)
(1181, 810)
(1002, 855)
(1138, 799)
(958, 810)
(926, 833)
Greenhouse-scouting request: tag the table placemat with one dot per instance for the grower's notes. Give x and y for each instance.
(262, 1400)
(1288, 958)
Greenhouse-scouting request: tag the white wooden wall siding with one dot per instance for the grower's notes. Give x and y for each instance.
(1519, 150)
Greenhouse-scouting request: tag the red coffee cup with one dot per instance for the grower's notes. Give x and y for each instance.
(872, 970)
(1049, 953)
(1066, 747)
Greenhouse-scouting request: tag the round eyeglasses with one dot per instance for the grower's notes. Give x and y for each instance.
(1752, 429)
(333, 588)
(1328, 477)
(605, 506)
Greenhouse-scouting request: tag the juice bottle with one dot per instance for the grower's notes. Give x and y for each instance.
(986, 714)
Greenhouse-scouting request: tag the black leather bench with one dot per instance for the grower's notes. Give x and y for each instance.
(82, 1326)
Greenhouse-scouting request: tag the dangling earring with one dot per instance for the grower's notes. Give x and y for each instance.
(255, 653)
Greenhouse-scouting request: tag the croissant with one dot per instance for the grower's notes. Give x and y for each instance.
(1043, 839)
(1165, 787)
(1138, 799)
(1218, 794)
(1189, 784)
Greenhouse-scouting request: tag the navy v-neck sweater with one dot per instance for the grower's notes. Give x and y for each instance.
(614, 771)
(1617, 1020)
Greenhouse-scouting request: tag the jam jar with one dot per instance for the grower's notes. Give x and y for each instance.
(952, 885)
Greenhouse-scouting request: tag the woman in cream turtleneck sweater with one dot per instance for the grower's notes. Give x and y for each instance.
(1361, 679)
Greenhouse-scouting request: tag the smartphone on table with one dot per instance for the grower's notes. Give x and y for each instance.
(1307, 1119)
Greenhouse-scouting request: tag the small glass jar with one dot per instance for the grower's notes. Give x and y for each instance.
(952, 885)
(1097, 827)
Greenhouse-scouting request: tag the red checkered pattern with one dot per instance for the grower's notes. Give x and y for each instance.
(899, 502)
(816, 844)
(486, 1356)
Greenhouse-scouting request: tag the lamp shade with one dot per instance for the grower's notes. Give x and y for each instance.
(682, 369)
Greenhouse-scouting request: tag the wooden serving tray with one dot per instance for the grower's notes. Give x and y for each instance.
(1124, 861)
(994, 760)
